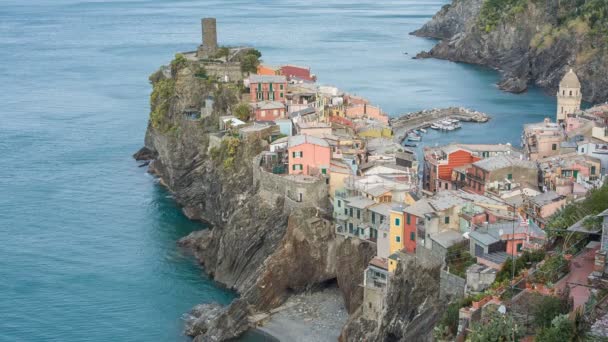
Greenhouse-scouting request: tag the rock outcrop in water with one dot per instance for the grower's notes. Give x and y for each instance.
(260, 248)
(528, 41)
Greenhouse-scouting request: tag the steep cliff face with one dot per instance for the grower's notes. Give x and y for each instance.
(529, 41)
(255, 247)
(412, 307)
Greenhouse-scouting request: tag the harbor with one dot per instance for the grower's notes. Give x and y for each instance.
(408, 128)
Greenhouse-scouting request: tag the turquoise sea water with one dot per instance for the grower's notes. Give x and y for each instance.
(87, 248)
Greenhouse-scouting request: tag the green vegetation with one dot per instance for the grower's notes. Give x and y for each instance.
(500, 328)
(201, 72)
(551, 270)
(494, 11)
(160, 100)
(561, 329)
(250, 61)
(594, 13)
(242, 112)
(448, 324)
(549, 308)
(521, 263)
(222, 52)
(595, 202)
(178, 63)
(459, 259)
(229, 149)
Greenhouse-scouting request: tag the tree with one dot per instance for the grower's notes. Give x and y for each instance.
(250, 63)
(549, 308)
(500, 328)
(562, 329)
(222, 52)
(242, 112)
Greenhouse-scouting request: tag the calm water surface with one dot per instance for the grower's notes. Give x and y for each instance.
(88, 239)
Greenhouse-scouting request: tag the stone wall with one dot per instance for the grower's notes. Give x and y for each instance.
(373, 299)
(451, 285)
(272, 187)
(219, 70)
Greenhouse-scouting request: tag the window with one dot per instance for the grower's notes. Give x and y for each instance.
(350, 212)
(554, 147)
(358, 214)
(447, 220)
(408, 219)
(583, 150)
(281, 87)
(398, 238)
(324, 171)
(345, 211)
(373, 217)
(281, 95)
(570, 92)
(519, 245)
(446, 185)
(350, 228)
(339, 203)
(412, 236)
(397, 221)
(510, 176)
(297, 167)
(593, 170)
(384, 235)
(297, 154)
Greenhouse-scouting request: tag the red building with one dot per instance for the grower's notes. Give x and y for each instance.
(294, 71)
(414, 217)
(267, 88)
(269, 110)
(439, 164)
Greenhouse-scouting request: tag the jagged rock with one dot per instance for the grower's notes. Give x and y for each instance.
(517, 49)
(353, 256)
(144, 154)
(412, 307)
(197, 321)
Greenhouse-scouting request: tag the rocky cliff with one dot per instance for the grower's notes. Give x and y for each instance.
(411, 309)
(528, 41)
(261, 249)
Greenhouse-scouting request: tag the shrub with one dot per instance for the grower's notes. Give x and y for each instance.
(498, 328)
(178, 63)
(549, 308)
(160, 100)
(242, 112)
(561, 329)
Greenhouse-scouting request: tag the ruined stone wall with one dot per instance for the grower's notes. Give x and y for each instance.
(373, 299)
(219, 70)
(272, 187)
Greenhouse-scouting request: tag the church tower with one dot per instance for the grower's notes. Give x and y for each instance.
(569, 96)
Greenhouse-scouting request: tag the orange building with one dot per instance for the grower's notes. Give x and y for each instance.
(439, 164)
(266, 70)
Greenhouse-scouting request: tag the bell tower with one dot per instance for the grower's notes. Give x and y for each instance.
(568, 96)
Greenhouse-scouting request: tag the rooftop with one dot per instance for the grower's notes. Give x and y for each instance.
(269, 105)
(447, 238)
(359, 202)
(381, 208)
(420, 208)
(546, 198)
(503, 161)
(306, 139)
(570, 80)
(267, 79)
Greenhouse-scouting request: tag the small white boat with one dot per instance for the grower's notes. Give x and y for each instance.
(450, 128)
(457, 125)
(413, 137)
(435, 126)
(423, 130)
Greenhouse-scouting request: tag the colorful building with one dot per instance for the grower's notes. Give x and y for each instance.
(267, 88)
(297, 72)
(308, 155)
(541, 140)
(267, 70)
(499, 174)
(439, 164)
(269, 110)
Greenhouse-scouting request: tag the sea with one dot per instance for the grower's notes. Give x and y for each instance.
(87, 238)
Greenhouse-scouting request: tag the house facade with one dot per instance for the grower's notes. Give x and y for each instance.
(500, 174)
(269, 110)
(308, 155)
(267, 88)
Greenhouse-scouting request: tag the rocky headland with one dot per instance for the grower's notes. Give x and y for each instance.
(258, 246)
(529, 42)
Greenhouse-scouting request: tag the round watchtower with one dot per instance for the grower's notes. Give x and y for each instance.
(568, 96)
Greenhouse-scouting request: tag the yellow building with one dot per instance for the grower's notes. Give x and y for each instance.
(396, 230)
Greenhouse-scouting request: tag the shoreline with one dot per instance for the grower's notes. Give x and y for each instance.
(317, 316)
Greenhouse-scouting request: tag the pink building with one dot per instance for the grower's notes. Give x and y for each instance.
(308, 155)
(294, 71)
(540, 207)
(366, 110)
(267, 88)
(542, 139)
(316, 129)
(269, 110)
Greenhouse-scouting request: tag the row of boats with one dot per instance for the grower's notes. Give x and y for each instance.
(446, 125)
(443, 125)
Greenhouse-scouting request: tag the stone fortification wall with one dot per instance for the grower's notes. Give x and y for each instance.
(272, 187)
(219, 70)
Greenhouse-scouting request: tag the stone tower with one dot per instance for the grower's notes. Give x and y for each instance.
(209, 46)
(568, 96)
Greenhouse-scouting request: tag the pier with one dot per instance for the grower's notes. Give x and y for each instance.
(406, 123)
